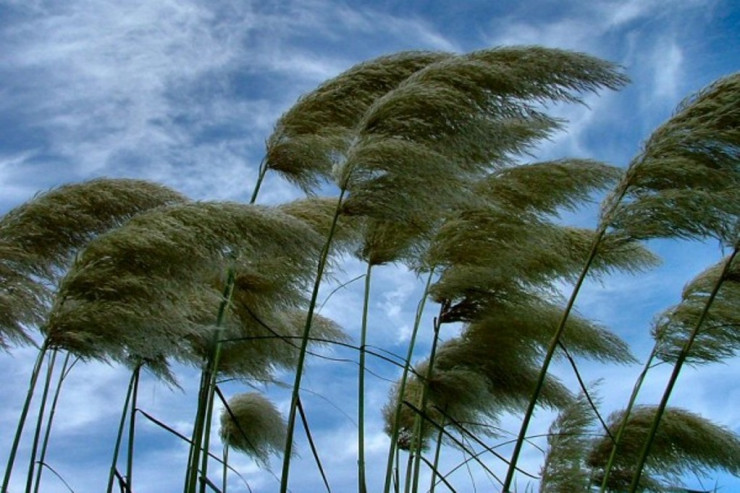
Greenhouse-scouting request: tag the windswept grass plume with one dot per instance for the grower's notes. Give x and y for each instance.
(252, 424)
(255, 343)
(311, 137)
(156, 275)
(685, 443)
(569, 438)
(718, 336)
(686, 183)
(39, 239)
(455, 398)
(461, 117)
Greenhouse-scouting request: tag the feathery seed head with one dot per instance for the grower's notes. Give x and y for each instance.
(252, 424)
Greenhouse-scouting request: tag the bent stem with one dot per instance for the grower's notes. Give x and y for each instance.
(119, 435)
(24, 413)
(323, 258)
(40, 419)
(419, 420)
(211, 380)
(554, 343)
(677, 370)
(623, 425)
(66, 367)
(362, 486)
(402, 386)
(132, 431)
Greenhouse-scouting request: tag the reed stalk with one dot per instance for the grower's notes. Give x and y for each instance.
(362, 485)
(132, 431)
(119, 435)
(40, 419)
(392, 449)
(623, 425)
(323, 260)
(24, 414)
(677, 370)
(66, 367)
(418, 439)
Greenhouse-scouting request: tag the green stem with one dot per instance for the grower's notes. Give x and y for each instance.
(260, 177)
(213, 374)
(132, 432)
(623, 425)
(548, 358)
(437, 454)
(52, 412)
(409, 471)
(676, 371)
(119, 435)
(225, 474)
(323, 258)
(392, 451)
(40, 419)
(362, 485)
(419, 421)
(195, 442)
(24, 414)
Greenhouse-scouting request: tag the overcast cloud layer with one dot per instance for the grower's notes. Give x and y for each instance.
(185, 93)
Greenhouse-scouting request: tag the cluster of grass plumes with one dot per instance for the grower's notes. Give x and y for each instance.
(461, 117)
(685, 442)
(423, 149)
(159, 275)
(39, 239)
(252, 424)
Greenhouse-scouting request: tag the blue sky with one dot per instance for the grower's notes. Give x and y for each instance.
(186, 92)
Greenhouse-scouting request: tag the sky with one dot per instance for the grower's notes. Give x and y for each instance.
(185, 93)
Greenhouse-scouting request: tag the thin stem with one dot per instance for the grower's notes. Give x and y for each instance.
(625, 419)
(24, 414)
(548, 358)
(304, 346)
(260, 177)
(362, 486)
(40, 419)
(314, 450)
(225, 473)
(52, 412)
(119, 435)
(132, 432)
(197, 436)
(435, 465)
(213, 373)
(676, 371)
(402, 386)
(419, 421)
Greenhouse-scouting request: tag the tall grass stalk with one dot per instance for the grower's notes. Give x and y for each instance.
(625, 420)
(132, 431)
(677, 370)
(417, 443)
(24, 414)
(435, 464)
(323, 260)
(119, 435)
(204, 413)
(362, 485)
(66, 367)
(392, 449)
(619, 193)
(40, 419)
